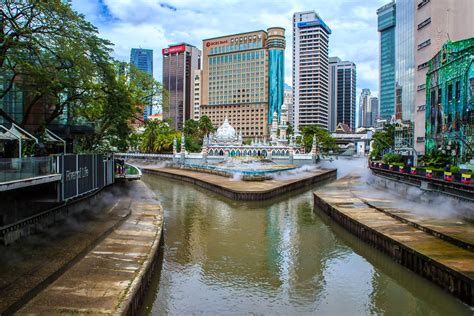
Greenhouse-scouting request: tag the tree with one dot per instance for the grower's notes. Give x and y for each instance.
(118, 102)
(205, 126)
(52, 54)
(324, 140)
(158, 137)
(382, 141)
(290, 131)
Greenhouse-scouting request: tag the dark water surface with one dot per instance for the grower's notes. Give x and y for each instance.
(275, 257)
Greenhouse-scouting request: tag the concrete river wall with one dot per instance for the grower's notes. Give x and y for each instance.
(449, 265)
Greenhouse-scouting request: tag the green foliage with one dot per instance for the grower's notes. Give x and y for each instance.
(392, 158)
(53, 55)
(324, 139)
(290, 131)
(195, 131)
(435, 159)
(382, 141)
(455, 169)
(158, 137)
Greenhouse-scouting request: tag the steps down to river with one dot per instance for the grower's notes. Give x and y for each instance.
(439, 250)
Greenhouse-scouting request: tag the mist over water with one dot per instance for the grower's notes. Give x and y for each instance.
(409, 198)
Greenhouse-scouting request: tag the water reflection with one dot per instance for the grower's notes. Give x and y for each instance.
(277, 257)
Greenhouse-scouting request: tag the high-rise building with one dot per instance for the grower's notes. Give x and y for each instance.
(436, 22)
(179, 63)
(374, 111)
(405, 61)
(342, 93)
(364, 107)
(386, 27)
(243, 80)
(197, 94)
(310, 70)
(143, 60)
(288, 101)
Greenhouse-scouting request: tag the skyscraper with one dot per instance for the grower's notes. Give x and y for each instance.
(179, 63)
(143, 60)
(374, 111)
(342, 93)
(386, 27)
(310, 70)
(364, 107)
(437, 21)
(242, 79)
(197, 94)
(288, 101)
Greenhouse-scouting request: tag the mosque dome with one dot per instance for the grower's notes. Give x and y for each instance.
(284, 107)
(225, 133)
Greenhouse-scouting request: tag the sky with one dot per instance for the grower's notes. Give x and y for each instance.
(155, 24)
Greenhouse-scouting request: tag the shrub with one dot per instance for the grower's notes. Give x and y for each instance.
(392, 158)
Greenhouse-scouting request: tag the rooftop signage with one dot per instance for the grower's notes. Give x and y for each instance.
(218, 42)
(314, 23)
(174, 49)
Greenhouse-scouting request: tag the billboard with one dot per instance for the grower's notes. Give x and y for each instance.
(84, 173)
(174, 49)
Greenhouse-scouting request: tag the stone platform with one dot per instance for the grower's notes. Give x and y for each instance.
(440, 251)
(108, 276)
(246, 190)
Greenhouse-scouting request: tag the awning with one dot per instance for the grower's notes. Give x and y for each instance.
(15, 132)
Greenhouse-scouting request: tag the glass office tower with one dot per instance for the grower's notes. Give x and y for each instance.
(386, 27)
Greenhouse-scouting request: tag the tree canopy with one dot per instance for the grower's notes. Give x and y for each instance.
(382, 141)
(56, 58)
(324, 140)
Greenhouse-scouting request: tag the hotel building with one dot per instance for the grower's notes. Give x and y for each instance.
(179, 63)
(243, 78)
(310, 70)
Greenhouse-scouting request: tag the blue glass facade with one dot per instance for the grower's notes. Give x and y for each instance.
(276, 74)
(143, 60)
(386, 27)
(405, 57)
(276, 71)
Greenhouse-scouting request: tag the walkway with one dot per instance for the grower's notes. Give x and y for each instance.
(98, 267)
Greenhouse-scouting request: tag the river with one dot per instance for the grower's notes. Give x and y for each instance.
(275, 257)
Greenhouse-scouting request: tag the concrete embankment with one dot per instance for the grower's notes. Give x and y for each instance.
(438, 254)
(110, 276)
(246, 190)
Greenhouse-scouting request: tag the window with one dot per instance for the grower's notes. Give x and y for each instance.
(450, 92)
(458, 90)
(424, 23)
(423, 65)
(424, 44)
(440, 92)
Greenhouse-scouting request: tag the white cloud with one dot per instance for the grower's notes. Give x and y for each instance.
(153, 24)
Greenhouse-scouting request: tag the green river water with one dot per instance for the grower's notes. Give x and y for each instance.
(278, 257)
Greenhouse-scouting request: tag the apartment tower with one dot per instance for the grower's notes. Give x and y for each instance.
(310, 70)
(342, 93)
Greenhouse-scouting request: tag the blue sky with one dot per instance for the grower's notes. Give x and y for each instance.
(156, 24)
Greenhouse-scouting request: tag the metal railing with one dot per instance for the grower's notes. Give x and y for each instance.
(12, 169)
